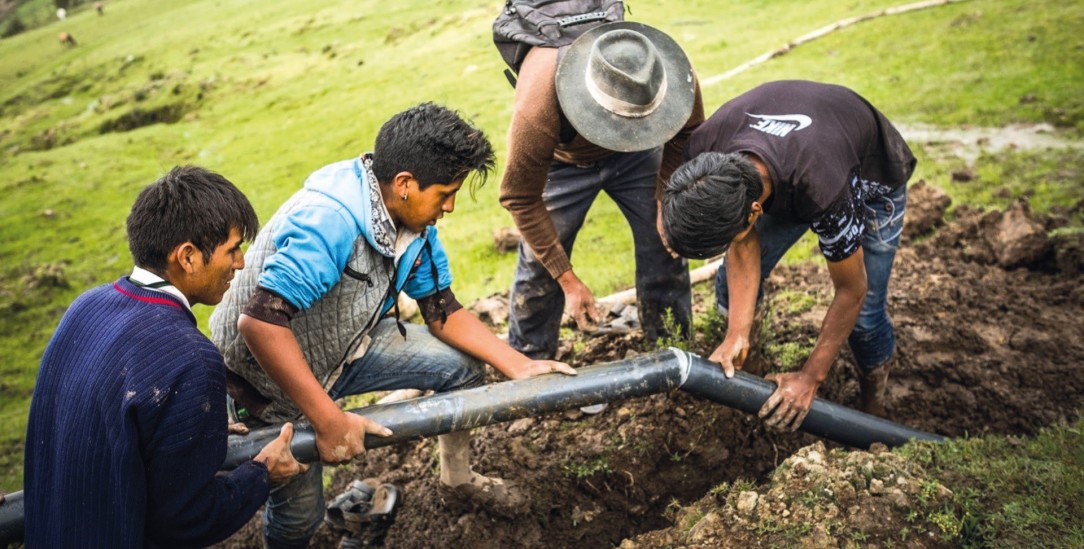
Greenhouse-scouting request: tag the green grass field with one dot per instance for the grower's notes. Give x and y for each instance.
(267, 92)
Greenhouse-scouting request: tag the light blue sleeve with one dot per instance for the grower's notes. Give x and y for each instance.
(420, 284)
(313, 245)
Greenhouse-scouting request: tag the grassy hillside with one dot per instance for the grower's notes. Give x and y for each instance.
(267, 92)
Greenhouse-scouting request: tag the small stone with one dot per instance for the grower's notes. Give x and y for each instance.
(898, 498)
(819, 538)
(943, 493)
(520, 426)
(747, 502)
(704, 527)
(876, 487)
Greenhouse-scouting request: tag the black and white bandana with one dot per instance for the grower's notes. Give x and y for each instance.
(383, 229)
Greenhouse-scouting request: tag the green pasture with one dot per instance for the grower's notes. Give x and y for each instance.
(266, 92)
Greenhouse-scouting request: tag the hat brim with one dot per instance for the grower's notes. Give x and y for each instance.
(616, 132)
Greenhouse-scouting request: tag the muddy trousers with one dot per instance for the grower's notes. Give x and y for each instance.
(873, 339)
(294, 510)
(662, 282)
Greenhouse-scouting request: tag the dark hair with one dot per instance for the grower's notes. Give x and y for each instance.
(188, 204)
(707, 203)
(433, 143)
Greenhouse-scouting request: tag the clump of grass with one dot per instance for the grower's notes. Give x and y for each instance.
(585, 469)
(792, 302)
(673, 333)
(789, 355)
(1010, 492)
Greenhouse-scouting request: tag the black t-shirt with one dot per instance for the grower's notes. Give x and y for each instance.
(826, 148)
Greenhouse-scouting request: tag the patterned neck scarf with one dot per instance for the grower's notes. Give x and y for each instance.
(383, 229)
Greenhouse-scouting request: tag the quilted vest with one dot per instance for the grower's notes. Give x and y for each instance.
(329, 332)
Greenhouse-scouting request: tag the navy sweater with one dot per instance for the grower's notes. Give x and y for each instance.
(127, 430)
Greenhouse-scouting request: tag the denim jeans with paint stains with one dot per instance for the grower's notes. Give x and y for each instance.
(662, 282)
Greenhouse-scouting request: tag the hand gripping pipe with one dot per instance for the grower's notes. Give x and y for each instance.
(642, 375)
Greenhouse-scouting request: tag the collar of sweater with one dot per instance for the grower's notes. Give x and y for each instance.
(153, 297)
(146, 279)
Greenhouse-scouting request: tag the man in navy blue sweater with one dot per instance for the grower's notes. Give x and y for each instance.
(127, 426)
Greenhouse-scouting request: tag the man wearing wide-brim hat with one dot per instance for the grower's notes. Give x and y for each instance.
(610, 112)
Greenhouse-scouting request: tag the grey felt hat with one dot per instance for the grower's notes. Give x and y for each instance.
(626, 86)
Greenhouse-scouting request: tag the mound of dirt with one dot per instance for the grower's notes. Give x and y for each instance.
(987, 343)
(816, 498)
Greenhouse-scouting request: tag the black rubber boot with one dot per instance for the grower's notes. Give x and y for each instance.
(871, 389)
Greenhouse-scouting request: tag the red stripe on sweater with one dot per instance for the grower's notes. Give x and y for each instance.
(158, 300)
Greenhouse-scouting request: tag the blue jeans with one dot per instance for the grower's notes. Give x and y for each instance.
(295, 509)
(873, 339)
(662, 282)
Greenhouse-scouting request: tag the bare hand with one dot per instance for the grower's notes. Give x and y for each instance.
(789, 404)
(579, 303)
(280, 461)
(731, 353)
(662, 233)
(543, 367)
(344, 438)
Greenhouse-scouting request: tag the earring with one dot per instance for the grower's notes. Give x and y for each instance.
(404, 197)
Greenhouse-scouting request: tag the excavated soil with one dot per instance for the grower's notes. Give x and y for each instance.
(988, 314)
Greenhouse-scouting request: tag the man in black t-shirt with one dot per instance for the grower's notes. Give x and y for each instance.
(770, 164)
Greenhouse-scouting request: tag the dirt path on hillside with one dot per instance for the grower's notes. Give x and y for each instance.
(970, 142)
(989, 342)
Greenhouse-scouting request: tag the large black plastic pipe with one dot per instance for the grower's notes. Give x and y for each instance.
(499, 402)
(639, 376)
(826, 419)
(11, 518)
(494, 403)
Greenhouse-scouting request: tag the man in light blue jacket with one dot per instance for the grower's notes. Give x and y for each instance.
(307, 322)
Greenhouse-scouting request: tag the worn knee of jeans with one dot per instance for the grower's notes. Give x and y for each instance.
(473, 374)
(454, 368)
(294, 511)
(872, 341)
(462, 371)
